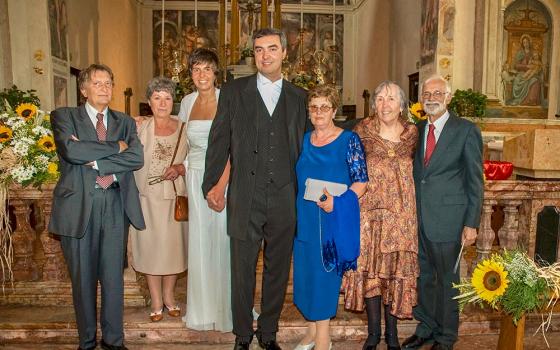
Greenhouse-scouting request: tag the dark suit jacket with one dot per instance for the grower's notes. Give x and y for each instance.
(449, 190)
(233, 135)
(72, 197)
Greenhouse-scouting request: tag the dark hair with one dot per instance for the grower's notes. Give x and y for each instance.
(328, 91)
(204, 55)
(271, 31)
(85, 75)
(160, 84)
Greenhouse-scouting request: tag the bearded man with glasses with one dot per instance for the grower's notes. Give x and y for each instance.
(449, 191)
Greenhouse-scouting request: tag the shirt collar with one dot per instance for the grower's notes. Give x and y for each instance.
(262, 80)
(440, 122)
(92, 112)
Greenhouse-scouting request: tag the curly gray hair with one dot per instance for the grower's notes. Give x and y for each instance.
(386, 84)
(160, 84)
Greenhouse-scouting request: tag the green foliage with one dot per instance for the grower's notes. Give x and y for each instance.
(247, 52)
(14, 97)
(468, 103)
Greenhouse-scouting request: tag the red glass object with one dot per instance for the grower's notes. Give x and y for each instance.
(496, 170)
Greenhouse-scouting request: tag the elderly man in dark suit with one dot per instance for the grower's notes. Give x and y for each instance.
(449, 191)
(259, 127)
(94, 201)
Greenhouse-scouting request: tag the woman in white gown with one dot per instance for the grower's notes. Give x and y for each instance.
(208, 277)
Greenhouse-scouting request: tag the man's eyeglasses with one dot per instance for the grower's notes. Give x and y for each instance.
(100, 84)
(323, 109)
(436, 94)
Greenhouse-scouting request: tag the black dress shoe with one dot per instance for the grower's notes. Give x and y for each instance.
(369, 347)
(414, 342)
(269, 345)
(389, 347)
(106, 346)
(241, 345)
(440, 346)
(90, 348)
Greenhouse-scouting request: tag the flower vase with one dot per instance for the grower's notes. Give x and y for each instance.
(511, 335)
(250, 61)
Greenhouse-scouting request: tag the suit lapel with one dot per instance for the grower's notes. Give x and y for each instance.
(445, 139)
(87, 126)
(113, 126)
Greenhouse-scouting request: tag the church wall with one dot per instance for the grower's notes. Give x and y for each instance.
(405, 40)
(5, 54)
(372, 48)
(119, 33)
(106, 31)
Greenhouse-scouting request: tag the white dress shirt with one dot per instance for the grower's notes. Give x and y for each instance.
(269, 91)
(92, 114)
(438, 127)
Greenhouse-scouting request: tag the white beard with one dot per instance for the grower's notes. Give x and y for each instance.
(434, 108)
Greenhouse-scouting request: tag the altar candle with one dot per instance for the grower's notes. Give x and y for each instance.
(301, 14)
(162, 20)
(333, 22)
(195, 13)
(225, 26)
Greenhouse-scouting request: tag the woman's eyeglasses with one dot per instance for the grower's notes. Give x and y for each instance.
(323, 109)
(152, 180)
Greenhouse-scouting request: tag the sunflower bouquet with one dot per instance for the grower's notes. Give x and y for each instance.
(27, 146)
(416, 113)
(512, 282)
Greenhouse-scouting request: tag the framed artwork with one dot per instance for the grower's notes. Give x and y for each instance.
(429, 31)
(58, 27)
(60, 88)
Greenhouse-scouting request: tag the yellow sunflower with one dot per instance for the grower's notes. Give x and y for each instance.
(417, 111)
(26, 110)
(5, 134)
(489, 279)
(52, 168)
(46, 143)
(47, 117)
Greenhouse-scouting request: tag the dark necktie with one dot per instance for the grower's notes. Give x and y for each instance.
(430, 145)
(107, 180)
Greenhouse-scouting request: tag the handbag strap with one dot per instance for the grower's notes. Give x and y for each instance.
(175, 152)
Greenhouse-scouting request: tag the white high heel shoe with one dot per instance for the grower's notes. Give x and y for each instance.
(305, 346)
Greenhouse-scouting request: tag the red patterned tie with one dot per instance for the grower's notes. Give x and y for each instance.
(430, 145)
(107, 180)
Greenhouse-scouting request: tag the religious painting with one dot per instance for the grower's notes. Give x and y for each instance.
(181, 38)
(60, 91)
(321, 54)
(429, 31)
(526, 54)
(58, 28)
(447, 27)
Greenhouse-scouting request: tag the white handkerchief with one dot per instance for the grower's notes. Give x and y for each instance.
(314, 189)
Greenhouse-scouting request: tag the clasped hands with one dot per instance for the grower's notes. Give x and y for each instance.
(123, 146)
(216, 198)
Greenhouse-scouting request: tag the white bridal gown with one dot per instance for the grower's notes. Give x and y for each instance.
(208, 279)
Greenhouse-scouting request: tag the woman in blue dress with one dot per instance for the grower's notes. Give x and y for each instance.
(331, 154)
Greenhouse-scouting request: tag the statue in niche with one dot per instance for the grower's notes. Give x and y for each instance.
(525, 75)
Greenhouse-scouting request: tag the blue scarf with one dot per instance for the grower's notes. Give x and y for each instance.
(340, 234)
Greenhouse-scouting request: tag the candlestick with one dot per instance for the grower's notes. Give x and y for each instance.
(225, 26)
(162, 20)
(195, 13)
(301, 14)
(334, 22)
(272, 15)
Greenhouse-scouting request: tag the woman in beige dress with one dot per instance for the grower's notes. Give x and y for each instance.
(160, 251)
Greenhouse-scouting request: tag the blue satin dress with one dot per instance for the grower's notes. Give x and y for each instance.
(343, 160)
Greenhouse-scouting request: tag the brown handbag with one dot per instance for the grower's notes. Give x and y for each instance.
(181, 202)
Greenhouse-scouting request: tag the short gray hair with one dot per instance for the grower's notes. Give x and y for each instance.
(271, 31)
(434, 78)
(386, 84)
(160, 84)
